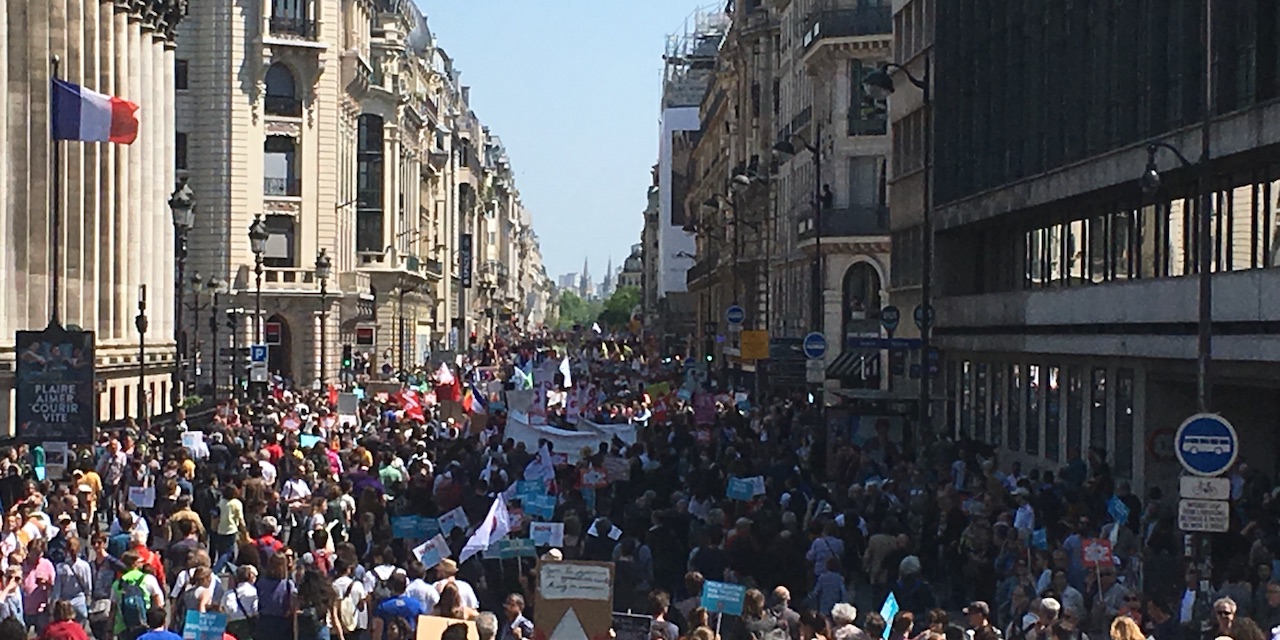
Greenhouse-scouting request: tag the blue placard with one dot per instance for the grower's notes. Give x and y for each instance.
(723, 597)
(405, 527)
(204, 626)
(739, 489)
(1040, 539)
(508, 548)
(531, 488)
(1206, 444)
(540, 506)
(428, 528)
(431, 556)
(307, 441)
(889, 611)
(1118, 510)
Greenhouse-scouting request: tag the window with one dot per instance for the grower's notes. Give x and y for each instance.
(867, 115)
(1033, 409)
(981, 412)
(861, 304)
(1098, 410)
(281, 242)
(280, 167)
(865, 182)
(180, 78)
(1075, 409)
(1123, 463)
(999, 398)
(1015, 407)
(369, 187)
(180, 151)
(1052, 414)
(282, 93)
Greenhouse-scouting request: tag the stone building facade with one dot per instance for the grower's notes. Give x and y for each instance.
(117, 236)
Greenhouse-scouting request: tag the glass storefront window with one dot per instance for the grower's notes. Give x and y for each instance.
(1123, 451)
(1098, 410)
(1015, 407)
(980, 402)
(998, 396)
(1075, 409)
(1033, 409)
(1052, 415)
(966, 398)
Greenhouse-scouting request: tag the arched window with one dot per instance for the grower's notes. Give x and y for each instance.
(282, 93)
(861, 301)
(369, 183)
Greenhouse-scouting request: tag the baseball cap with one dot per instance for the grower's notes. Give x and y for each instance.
(978, 606)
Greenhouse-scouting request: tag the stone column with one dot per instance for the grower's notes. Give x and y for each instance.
(166, 167)
(127, 285)
(390, 181)
(8, 295)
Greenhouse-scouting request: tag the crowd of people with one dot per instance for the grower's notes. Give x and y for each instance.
(279, 516)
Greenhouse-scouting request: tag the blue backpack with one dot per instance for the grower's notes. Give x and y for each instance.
(134, 600)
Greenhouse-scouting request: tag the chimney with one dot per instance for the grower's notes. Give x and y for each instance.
(466, 96)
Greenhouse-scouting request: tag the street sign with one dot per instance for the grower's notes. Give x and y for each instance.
(1206, 444)
(258, 353)
(815, 372)
(900, 344)
(1204, 488)
(735, 314)
(1213, 516)
(258, 372)
(890, 316)
(815, 346)
(923, 316)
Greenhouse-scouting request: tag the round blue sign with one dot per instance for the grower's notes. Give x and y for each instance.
(1206, 444)
(890, 316)
(735, 314)
(815, 345)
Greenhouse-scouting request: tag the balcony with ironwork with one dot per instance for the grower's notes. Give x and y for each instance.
(700, 270)
(864, 20)
(846, 222)
(293, 27)
(282, 187)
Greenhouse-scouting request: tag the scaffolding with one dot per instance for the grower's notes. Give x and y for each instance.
(690, 56)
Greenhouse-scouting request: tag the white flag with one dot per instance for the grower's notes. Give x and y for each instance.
(564, 370)
(444, 377)
(595, 326)
(496, 526)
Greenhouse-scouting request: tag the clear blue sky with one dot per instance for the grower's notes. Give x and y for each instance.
(572, 87)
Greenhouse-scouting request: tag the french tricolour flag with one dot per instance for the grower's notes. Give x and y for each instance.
(83, 114)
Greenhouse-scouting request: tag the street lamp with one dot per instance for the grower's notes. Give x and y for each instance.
(879, 85)
(141, 323)
(786, 148)
(258, 244)
(182, 207)
(323, 267)
(215, 286)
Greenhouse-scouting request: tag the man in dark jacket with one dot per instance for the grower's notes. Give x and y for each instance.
(780, 605)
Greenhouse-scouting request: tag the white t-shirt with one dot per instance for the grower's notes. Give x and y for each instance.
(241, 603)
(423, 592)
(465, 592)
(357, 595)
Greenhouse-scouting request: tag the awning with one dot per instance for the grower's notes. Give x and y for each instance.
(846, 365)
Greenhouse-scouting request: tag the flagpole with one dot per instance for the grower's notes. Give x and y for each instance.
(55, 203)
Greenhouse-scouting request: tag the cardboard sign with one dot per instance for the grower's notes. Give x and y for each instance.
(204, 626)
(1096, 552)
(540, 506)
(628, 626)
(144, 498)
(508, 548)
(617, 469)
(432, 627)
(306, 441)
(574, 600)
(723, 597)
(453, 519)
(432, 552)
(547, 534)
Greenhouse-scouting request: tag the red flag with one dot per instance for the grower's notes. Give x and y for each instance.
(333, 396)
(412, 408)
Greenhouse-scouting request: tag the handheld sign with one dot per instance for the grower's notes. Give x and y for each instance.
(1096, 552)
(723, 597)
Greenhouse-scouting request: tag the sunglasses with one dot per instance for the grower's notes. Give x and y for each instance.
(1226, 614)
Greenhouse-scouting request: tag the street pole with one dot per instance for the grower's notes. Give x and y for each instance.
(216, 347)
(324, 325)
(257, 314)
(816, 305)
(179, 376)
(926, 278)
(141, 323)
(1204, 343)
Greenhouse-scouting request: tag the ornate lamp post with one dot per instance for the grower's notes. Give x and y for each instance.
(323, 268)
(182, 207)
(258, 244)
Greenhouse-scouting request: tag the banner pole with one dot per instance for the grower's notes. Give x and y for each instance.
(55, 203)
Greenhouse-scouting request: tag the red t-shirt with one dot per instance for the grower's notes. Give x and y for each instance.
(64, 630)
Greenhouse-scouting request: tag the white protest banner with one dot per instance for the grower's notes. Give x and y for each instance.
(432, 552)
(143, 497)
(547, 534)
(453, 519)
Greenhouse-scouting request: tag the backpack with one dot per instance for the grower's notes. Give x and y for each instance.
(348, 609)
(134, 600)
(324, 564)
(381, 592)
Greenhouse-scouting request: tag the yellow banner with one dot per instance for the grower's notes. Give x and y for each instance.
(755, 345)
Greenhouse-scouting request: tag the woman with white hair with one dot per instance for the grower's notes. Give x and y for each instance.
(843, 616)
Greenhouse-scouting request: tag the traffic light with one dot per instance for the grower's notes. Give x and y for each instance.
(347, 359)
